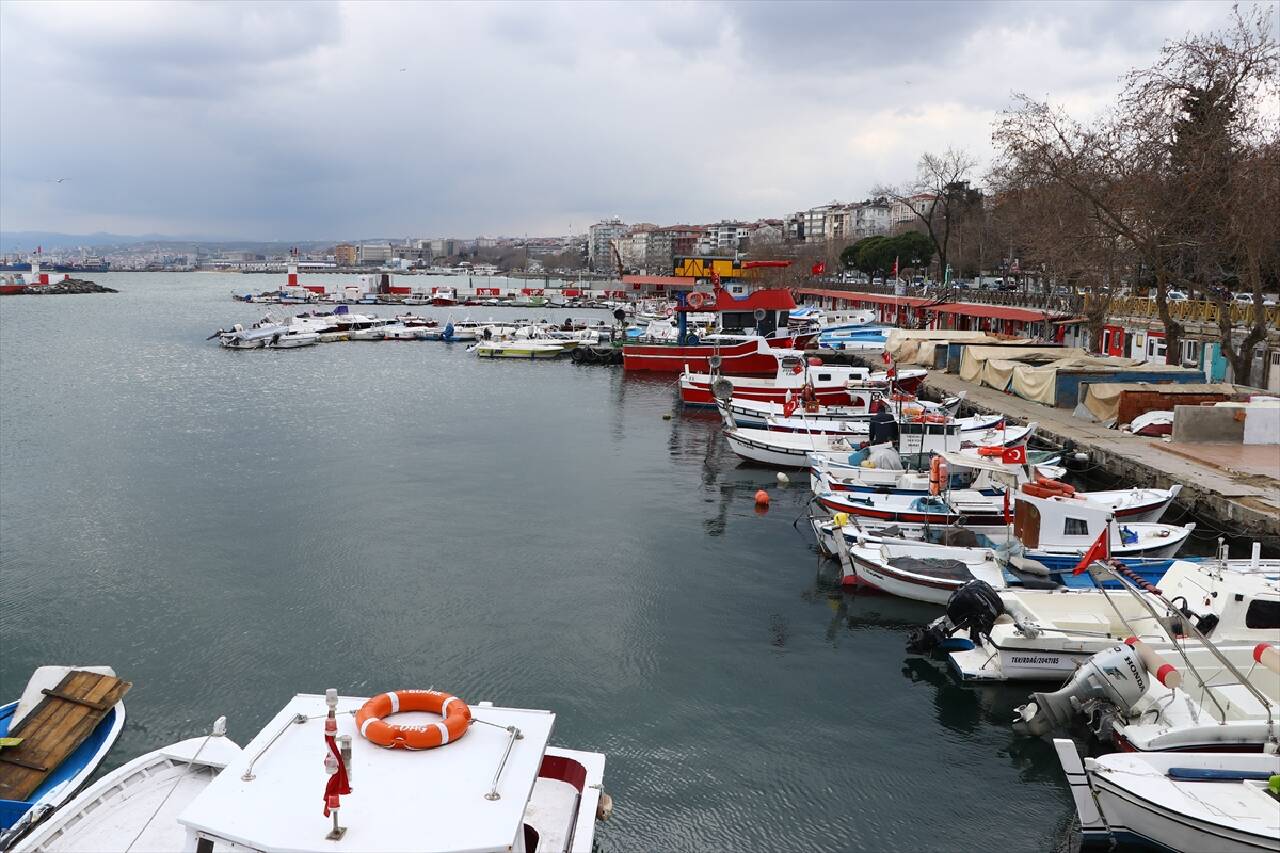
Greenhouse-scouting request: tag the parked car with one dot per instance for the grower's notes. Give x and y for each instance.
(1176, 296)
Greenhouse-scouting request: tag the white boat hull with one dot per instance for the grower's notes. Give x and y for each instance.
(1127, 798)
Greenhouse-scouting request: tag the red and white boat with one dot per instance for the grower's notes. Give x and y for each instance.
(444, 297)
(833, 385)
(760, 314)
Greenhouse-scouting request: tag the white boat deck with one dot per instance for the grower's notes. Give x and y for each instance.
(423, 801)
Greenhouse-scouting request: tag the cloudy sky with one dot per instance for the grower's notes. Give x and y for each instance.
(297, 121)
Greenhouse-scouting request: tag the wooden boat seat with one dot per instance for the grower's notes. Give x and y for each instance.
(64, 718)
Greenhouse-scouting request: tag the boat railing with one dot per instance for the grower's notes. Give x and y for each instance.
(1193, 632)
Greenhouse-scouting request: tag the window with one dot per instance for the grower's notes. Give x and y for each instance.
(1075, 527)
(824, 377)
(1262, 614)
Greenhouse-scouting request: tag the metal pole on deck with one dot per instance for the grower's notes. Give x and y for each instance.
(682, 320)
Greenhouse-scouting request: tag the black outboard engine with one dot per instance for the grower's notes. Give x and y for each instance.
(974, 606)
(883, 428)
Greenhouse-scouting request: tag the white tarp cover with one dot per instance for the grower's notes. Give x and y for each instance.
(1040, 383)
(973, 362)
(1102, 399)
(918, 346)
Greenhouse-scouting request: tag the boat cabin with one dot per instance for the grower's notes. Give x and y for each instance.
(500, 787)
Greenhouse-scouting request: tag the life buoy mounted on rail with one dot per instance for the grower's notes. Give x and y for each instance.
(372, 726)
(696, 299)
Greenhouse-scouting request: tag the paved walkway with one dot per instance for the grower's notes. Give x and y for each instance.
(1232, 484)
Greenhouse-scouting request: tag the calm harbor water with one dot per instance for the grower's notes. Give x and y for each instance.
(229, 528)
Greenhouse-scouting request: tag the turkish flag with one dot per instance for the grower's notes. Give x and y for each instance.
(1100, 550)
(789, 407)
(895, 267)
(1014, 455)
(891, 373)
(1006, 506)
(819, 268)
(715, 276)
(888, 359)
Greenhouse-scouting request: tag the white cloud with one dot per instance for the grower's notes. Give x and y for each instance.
(295, 121)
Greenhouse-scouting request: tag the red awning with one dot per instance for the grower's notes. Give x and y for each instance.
(997, 312)
(855, 296)
(768, 298)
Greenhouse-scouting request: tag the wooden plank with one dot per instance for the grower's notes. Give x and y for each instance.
(54, 728)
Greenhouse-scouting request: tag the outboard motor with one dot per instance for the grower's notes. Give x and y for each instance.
(974, 606)
(1116, 676)
(883, 428)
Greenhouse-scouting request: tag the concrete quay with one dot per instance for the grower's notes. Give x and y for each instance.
(1232, 486)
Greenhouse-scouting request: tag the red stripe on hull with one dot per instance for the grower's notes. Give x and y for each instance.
(700, 395)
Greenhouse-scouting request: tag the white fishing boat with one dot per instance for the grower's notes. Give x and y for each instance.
(880, 469)
(60, 729)
(526, 349)
(974, 428)
(1045, 635)
(793, 449)
(829, 384)
(984, 513)
(1192, 802)
(755, 413)
(254, 337)
(293, 337)
(136, 806)
(922, 571)
(319, 777)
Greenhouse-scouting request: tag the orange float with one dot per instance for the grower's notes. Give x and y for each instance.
(372, 726)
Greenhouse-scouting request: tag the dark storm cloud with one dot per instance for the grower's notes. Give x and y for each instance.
(296, 120)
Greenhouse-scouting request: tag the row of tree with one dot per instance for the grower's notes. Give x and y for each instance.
(879, 256)
(1175, 187)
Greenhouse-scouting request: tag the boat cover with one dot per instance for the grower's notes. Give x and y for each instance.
(938, 567)
(917, 346)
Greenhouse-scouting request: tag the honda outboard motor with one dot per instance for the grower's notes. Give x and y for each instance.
(974, 606)
(1117, 676)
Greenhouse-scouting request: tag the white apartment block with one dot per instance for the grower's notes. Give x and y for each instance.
(600, 238)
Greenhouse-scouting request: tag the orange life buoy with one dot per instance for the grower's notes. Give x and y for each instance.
(370, 722)
(990, 451)
(671, 312)
(697, 299)
(1037, 491)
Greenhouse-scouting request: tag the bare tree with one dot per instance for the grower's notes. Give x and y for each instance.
(1255, 249)
(938, 197)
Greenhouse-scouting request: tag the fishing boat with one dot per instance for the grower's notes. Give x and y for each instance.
(889, 472)
(1178, 801)
(793, 449)
(54, 737)
(790, 374)
(752, 322)
(526, 349)
(444, 297)
(755, 413)
(293, 337)
(136, 806)
(1045, 635)
(985, 513)
(409, 770)
(977, 425)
